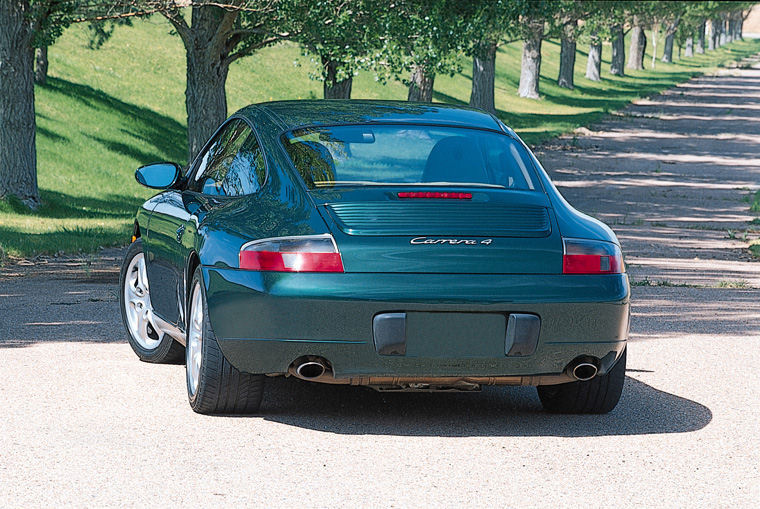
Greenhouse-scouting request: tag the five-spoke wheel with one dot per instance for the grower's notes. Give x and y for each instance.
(143, 333)
(139, 311)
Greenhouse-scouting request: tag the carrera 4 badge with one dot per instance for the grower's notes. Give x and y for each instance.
(450, 242)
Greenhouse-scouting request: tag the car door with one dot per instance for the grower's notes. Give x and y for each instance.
(179, 214)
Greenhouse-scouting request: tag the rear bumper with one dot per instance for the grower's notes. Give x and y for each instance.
(265, 321)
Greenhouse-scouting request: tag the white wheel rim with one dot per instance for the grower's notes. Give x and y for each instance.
(194, 340)
(139, 311)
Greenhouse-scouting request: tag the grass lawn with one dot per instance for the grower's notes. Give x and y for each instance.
(105, 112)
(754, 201)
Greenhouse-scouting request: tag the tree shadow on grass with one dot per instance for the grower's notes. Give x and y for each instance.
(57, 205)
(85, 239)
(136, 128)
(47, 133)
(165, 134)
(446, 98)
(590, 97)
(559, 123)
(496, 411)
(116, 211)
(609, 98)
(127, 150)
(732, 53)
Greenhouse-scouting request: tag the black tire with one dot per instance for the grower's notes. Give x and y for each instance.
(168, 350)
(222, 389)
(596, 396)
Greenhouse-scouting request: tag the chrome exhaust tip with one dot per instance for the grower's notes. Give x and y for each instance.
(584, 371)
(311, 369)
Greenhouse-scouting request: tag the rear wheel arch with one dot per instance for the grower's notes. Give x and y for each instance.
(193, 262)
(214, 385)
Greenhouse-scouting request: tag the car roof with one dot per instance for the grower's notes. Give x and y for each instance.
(293, 114)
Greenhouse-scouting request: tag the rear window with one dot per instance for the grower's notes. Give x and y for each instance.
(408, 155)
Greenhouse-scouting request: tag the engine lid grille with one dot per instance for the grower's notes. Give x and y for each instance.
(475, 219)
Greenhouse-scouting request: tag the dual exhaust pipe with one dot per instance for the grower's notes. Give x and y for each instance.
(318, 369)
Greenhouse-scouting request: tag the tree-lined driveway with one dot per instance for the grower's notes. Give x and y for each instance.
(85, 423)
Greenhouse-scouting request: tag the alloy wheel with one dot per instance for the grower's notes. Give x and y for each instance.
(195, 340)
(139, 311)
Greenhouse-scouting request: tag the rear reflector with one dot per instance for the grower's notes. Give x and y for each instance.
(435, 194)
(582, 256)
(308, 253)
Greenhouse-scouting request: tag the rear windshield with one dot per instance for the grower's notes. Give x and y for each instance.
(408, 155)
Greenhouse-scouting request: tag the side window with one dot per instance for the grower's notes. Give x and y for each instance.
(247, 172)
(216, 162)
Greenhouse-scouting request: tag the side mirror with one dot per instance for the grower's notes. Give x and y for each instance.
(158, 175)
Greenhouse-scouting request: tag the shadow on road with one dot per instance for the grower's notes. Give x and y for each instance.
(496, 411)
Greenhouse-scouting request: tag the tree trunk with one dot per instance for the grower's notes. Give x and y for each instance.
(41, 65)
(730, 31)
(700, 49)
(530, 68)
(689, 51)
(207, 68)
(740, 27)
(332, 88)
(421, 86)
(483, 75)
(18, 154)
(205, 98)
(722, 31)
(594, 63)
(715, 34)
(711, 36)
(670, 34)
(618, 51)
(738, 19)
(638, 45)
(567, 56)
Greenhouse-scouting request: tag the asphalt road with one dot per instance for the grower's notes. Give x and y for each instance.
(84, 423)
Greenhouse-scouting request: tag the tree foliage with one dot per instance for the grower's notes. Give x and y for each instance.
(341, 37)
(422, 35)
(409, 40)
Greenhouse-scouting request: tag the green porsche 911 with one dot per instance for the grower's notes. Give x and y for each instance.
(393, 245)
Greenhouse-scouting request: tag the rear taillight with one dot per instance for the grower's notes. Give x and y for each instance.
(307, 253)
(583, 256)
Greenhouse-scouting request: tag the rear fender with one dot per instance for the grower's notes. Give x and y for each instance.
(570, 221)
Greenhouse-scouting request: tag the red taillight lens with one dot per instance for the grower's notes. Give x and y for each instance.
(308, 253)
(435, 194)
(583, 256)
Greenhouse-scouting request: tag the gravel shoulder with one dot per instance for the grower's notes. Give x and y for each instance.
(84, 423)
